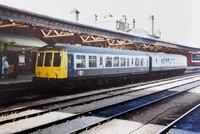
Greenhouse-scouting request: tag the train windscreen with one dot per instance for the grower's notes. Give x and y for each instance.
(40, 59)
(48, 59)
(57, 59)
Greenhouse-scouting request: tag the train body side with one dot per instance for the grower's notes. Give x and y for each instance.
(64, 62)
(103, 69)
(100, 62)
(168, 63)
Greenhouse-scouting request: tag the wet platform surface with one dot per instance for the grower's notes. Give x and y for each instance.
(20, 79)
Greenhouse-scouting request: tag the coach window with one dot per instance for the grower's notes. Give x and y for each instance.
(116, 62)
(162, 61)
(137, 62)
(80, 61)
(40, 59)
(57, 59)
(108, 61)
(168, 60)
(92, 61)
(156, 60)
(128, 62)
(123, 62)
(48, 59)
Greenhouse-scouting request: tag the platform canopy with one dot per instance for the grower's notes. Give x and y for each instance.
(21, 43)
(22, 40)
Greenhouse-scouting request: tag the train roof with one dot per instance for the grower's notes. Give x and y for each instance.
(88, 49)
(166, 54)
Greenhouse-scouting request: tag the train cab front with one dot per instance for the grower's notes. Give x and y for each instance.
(50, 68)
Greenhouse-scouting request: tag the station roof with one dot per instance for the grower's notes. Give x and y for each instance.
(42, 22)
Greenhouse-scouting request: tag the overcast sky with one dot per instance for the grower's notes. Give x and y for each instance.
(178, 20)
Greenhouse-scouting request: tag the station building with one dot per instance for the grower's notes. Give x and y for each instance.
(20, 53)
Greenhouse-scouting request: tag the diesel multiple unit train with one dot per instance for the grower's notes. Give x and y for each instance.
(64, 64)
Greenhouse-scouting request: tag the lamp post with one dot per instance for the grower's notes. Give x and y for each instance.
(125, 18)
(134, 23)
(76, 13)
(95, 18)
(152, 18)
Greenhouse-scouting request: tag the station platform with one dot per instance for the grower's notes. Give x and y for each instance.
(192, 69)
(20, 79)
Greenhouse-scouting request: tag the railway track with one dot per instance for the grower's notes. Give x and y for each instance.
(106, 94)
(163, 94)
(187, 123)
(20, 92)
(102, 91)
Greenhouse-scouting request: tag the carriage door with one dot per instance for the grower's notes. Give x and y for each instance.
(101, 61)
(70, 65)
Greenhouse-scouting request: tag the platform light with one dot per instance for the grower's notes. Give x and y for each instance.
(76, 13)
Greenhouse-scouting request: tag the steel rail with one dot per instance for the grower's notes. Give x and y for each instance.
(168, 127)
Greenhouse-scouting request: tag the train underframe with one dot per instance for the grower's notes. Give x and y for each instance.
(95, 82)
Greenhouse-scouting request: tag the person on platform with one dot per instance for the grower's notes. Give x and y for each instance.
(5, 67)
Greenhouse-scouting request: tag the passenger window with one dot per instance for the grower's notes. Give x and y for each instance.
(116, 62)
(80, 61)
(108, 61)
(57, 59)
(40, 59)
(162, 61)
(137, 62)
(123, 62)
(92, 61)
(48, 59)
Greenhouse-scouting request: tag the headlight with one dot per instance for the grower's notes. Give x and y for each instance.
(38, 73)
